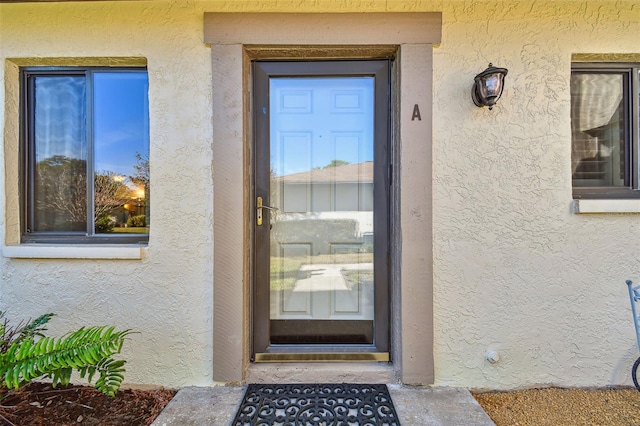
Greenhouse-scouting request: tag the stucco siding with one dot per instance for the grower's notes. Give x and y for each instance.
(515, 270)
(166, 296)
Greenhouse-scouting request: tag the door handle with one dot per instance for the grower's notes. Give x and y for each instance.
(259, 207)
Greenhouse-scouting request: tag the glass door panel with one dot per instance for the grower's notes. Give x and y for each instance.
(321, 142)
(321, 186)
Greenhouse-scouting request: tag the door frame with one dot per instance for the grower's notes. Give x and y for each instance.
(262, 71)
(237, 38)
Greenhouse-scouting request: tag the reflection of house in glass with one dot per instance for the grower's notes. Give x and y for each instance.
(328, 210)
(598, 130)
(137, 205)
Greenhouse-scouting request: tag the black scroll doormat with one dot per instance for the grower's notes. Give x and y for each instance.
(316, 404)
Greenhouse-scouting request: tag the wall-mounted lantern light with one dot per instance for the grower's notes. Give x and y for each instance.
(488, 86)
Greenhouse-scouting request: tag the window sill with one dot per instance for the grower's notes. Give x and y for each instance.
(41, 251)
(605, 206)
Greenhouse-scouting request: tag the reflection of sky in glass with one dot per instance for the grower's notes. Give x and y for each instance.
(121, 120)
(60, 119)
(317, 120)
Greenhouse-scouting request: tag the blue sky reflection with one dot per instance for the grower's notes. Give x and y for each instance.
(317, 120)
(121, 120)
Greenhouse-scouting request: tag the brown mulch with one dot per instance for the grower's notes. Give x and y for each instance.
(39, 404)
(555, 406)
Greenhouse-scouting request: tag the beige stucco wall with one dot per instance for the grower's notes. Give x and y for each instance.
(166, 296)
(515, 271)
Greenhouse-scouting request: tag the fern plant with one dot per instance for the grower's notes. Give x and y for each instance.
(27, 354)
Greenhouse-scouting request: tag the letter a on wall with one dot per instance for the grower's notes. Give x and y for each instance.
(416, 113)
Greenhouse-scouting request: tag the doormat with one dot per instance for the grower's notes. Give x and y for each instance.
(317, 405)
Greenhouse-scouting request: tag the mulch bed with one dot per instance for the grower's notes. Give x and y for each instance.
(39, 404)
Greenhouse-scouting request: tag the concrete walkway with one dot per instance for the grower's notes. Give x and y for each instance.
(419, 406)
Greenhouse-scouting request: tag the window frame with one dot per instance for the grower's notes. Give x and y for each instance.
(27, 159)
(631, 81)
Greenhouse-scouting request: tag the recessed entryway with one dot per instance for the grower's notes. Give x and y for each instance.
(407, 39)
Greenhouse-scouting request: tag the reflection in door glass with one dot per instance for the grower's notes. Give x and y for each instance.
(321, 167)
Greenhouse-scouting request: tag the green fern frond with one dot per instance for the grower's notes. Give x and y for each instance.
(15, 334)
(35, 327)
(111, 376)
(87, 350)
